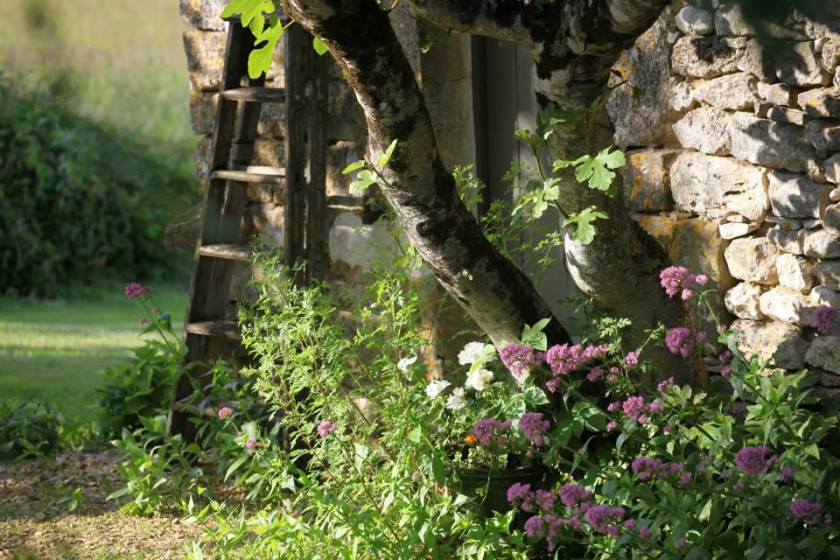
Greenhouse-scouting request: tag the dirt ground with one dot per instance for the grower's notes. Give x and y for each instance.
(35, 523)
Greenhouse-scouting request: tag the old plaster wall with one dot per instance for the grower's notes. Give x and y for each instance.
(732, 128)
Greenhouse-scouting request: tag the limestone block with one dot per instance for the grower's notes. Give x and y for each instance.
(776, 94)
(241, 283)
(734, 91)
(732, 230)
(823, 135)
(205, 52)
(780, 342)
(825, 353)
(786, 224)
(828, 274)
(831, 220)
(270, 220)
(757, 61)
(787, 115)
(834, 195)
(716, 186)
(272, 121)
(815, 243)
(789, 306)
(203, 110)
(794, 272)
(730, 21)
(268, 152)
(753, 259)
(339, 156)
(640, 108)
(201, 160)
(707, 57)
(203, 14)
(797, 65)
(825, 296)
(743, 301)
(821, 102)
(831, 166)
(359, 245)
(695, 21)
(795, 196)
(704, 129)
(682, 99)
(829, 380)
(831, 55)
(768, 143)
(646, 178)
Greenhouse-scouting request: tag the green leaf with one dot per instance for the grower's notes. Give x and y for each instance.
(248, 9)
(583, 222)
(355, 166)
(415, 435)
(259, 60)
(596, 171)
(386, 157)
(438, 471)
(364, 179)
(319, 46)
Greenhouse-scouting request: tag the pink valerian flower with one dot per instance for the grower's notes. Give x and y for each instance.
(134, 290)
(754, 460)
(631, 359)
(665, 385)
(679, 543)
(679, 280)
(490, 431)
(564, 359)
(534, 427)
(545, 500)
(726, 371)
(648, 468)
(612, 425)
(225, 412)
(536, 527)
(519, 359)
(680, 341)
(602, 519)
(595, 374)
(826, 321)
(637, 409)
(725, 356)
(519, 495)
(644, 532)
(251, 445)
(325, 428)
(806, 510)
(573, 494)
(785, 474)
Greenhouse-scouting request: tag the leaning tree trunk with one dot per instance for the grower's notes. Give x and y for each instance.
(574, 44)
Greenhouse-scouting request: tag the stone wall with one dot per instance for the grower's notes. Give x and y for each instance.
(732, 128)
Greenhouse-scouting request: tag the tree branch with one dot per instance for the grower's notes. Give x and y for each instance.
(498, 296)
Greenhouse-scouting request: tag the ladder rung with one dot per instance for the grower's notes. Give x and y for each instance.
(226, 251)
(227, 329)
(345, 203)
(252, 174)
(255, 94)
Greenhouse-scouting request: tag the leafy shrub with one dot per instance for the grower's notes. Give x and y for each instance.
(84, 201)
(142, 387)
(30, 428)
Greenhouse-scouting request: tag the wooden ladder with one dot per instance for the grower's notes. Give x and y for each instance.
(212, 332)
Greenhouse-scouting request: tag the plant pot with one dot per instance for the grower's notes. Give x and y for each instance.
(490, 487)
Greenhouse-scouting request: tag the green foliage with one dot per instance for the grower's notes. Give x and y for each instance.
(82, 197)
(583, 222)
(142, 387)
(30, 428)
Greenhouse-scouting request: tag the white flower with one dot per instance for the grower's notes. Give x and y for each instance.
(404, 363)
(456, 400)
(436, 387)
(472, 352)
(479, 380)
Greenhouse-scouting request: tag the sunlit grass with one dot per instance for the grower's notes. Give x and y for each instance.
(59, 350)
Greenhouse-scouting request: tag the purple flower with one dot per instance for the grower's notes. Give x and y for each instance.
(680, 542)
(785, 474)
(611, 425)
(753, 460)
(520, 495)
(564, 359)
(665, 385)
(325, 428)
(631, 359)
(634, 407)
(644, 532)
(808, 511)
(825, 320)
(534, 427)
(250, 445)
(519, 359)
(595, 374)
(535, 527)
(134, 290)
(726, 372)
(675, 278)
(545, 500)
(490, 431)
(225, 412)
(572, 494)
(602, 516)
(679, 341)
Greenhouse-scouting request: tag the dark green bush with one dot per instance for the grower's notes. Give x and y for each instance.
(81, 203)
(29, 428)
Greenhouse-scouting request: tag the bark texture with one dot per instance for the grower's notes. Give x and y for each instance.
(421, 190)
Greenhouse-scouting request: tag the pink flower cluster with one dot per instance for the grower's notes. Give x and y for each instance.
(636, 408)
(680, 280)
(807, 511)
(601, 518)
(225, 412)
(563, 359)
(134, 290)
(520, 358)
(325, 428)
(826, 321)
(648, 468)
(534, 427)
(755, 460)
(680, 341)
(491, 432)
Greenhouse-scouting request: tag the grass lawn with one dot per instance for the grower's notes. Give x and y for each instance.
(59, 350)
